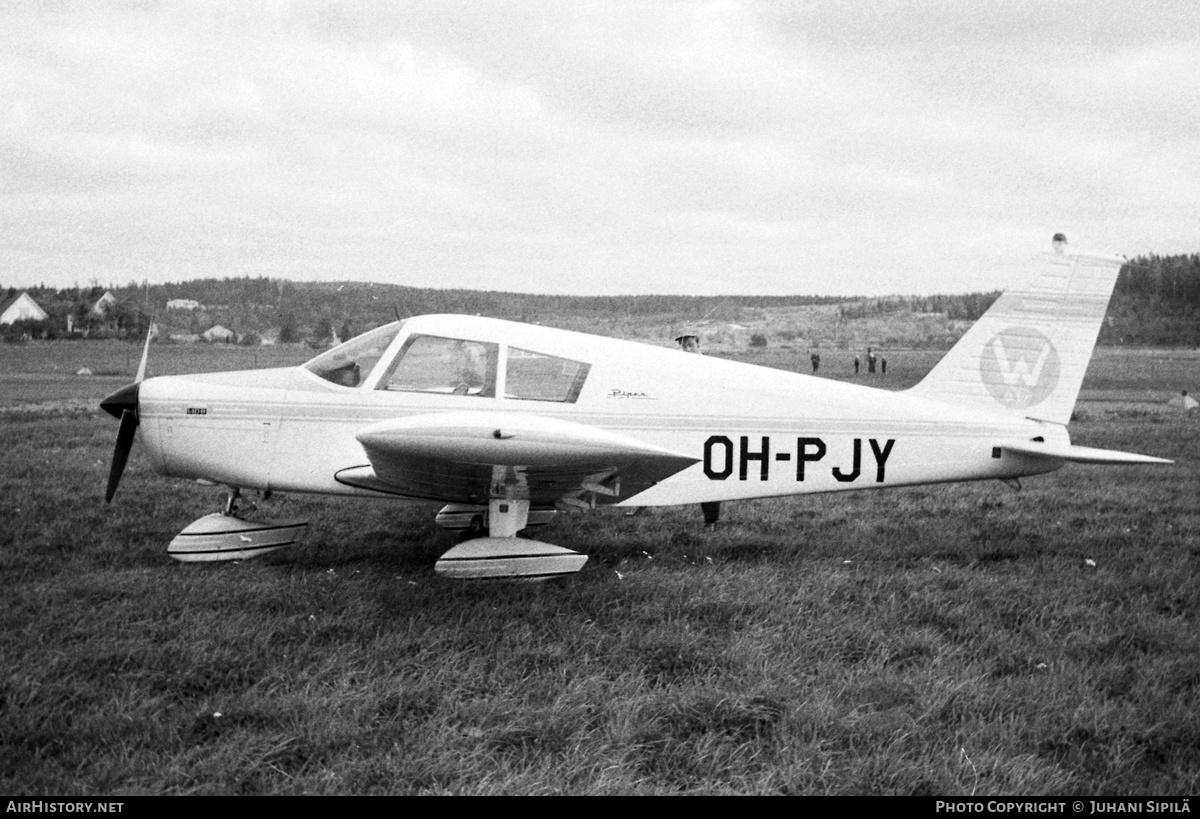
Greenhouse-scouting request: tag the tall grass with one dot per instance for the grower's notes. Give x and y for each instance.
(963, 639)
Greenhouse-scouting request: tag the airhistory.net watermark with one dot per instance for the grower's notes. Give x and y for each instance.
(43, 806)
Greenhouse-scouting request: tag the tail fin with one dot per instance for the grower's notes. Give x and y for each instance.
(1028, 353)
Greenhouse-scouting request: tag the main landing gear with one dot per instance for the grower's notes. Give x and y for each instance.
(501, 555)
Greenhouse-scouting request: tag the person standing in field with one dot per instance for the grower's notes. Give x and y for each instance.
(689, 342)
(816, 361)
(856, 364)
(870, 361)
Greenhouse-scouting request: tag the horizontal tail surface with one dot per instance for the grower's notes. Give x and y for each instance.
(1082, 454)
(1029, 352)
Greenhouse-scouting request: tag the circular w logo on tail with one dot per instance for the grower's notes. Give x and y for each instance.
(1019, 367)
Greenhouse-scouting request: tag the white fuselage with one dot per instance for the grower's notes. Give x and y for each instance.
(754, 431)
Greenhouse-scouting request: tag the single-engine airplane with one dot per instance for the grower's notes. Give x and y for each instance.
(507, 424)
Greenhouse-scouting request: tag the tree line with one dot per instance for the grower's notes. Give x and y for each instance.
(1156, 302)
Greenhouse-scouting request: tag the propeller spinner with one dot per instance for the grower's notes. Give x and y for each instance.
(123, 404)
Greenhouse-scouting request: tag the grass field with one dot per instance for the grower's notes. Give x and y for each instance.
(965, 639)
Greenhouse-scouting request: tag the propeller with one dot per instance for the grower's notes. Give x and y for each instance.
(123, 404)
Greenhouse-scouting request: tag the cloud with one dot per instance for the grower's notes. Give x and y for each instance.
(596, 147)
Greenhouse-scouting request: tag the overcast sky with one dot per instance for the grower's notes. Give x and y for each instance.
(593, 148)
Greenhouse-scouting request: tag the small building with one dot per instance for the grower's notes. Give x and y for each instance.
(183, 304)
(217, 333)
(21, 307)
(104, 304)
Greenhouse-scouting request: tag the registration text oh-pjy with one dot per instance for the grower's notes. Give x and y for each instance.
(752, 456)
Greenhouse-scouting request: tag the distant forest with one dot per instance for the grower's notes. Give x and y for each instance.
(1156, 303)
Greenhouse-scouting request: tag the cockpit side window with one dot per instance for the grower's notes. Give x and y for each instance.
(446, 366)
(534, 376)
(349, 364)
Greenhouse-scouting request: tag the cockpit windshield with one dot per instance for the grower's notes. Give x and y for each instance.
(348, 364)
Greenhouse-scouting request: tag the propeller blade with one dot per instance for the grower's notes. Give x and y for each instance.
(125, 435)
(141, 373)
(123, 404)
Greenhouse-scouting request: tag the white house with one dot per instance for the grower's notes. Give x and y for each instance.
(21, 307)
(183, 304)
(219, 333)
(104, 304)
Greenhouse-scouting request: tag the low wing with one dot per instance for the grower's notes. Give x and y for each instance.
(471, 457)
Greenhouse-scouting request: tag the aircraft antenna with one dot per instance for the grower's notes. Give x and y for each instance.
(720, 304)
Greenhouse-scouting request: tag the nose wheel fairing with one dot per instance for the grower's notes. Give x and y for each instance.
(219, 536)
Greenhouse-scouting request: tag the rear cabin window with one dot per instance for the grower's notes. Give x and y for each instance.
(447, 366)
(534, 376)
